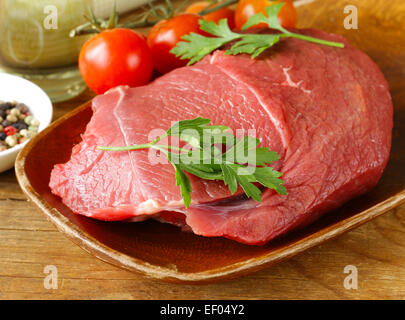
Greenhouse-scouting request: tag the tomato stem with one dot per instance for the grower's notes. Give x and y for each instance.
(158, 13)
(209, 9)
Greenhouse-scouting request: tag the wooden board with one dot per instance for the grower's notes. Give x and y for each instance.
(28, 242)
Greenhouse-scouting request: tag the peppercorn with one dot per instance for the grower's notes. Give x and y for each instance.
(24, 132)
(19, 125)
(15, 112)
(9, 131)
(22, 107)
(33, 128)
(6, 123)
(11, 141)
(12, 118)
(34, 122)
(23, 125)
(6, 105)
(28, 119)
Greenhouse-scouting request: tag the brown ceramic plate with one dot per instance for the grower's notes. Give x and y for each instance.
(163, 251)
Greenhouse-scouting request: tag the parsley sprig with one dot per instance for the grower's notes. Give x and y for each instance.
(196, 46)
(243, 164)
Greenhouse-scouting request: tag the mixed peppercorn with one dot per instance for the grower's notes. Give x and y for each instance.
(17, 124)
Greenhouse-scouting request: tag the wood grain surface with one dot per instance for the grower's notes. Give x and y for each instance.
(29, 243)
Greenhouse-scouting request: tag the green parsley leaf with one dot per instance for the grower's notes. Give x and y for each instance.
(253, 44)
(229, 178)
(185, 185)
(243, 164)
(268, 177)
(271, 20)
(195, 46)
(245, 180)
(264, 155)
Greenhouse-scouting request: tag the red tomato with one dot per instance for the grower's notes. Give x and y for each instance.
(247, 8)
(224, 13)
(164, 36)
(115, 57)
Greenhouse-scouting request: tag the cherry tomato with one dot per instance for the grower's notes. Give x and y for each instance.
(164, 36)
(115, 57)
(224, 13)
(247, 8)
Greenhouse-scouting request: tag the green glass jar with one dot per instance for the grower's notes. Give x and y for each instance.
(35, 42)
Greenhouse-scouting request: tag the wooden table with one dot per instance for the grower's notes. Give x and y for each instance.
(29, 243)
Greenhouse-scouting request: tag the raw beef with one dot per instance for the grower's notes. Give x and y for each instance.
(326, 111)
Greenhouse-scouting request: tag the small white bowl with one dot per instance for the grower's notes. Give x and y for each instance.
(13, 88)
